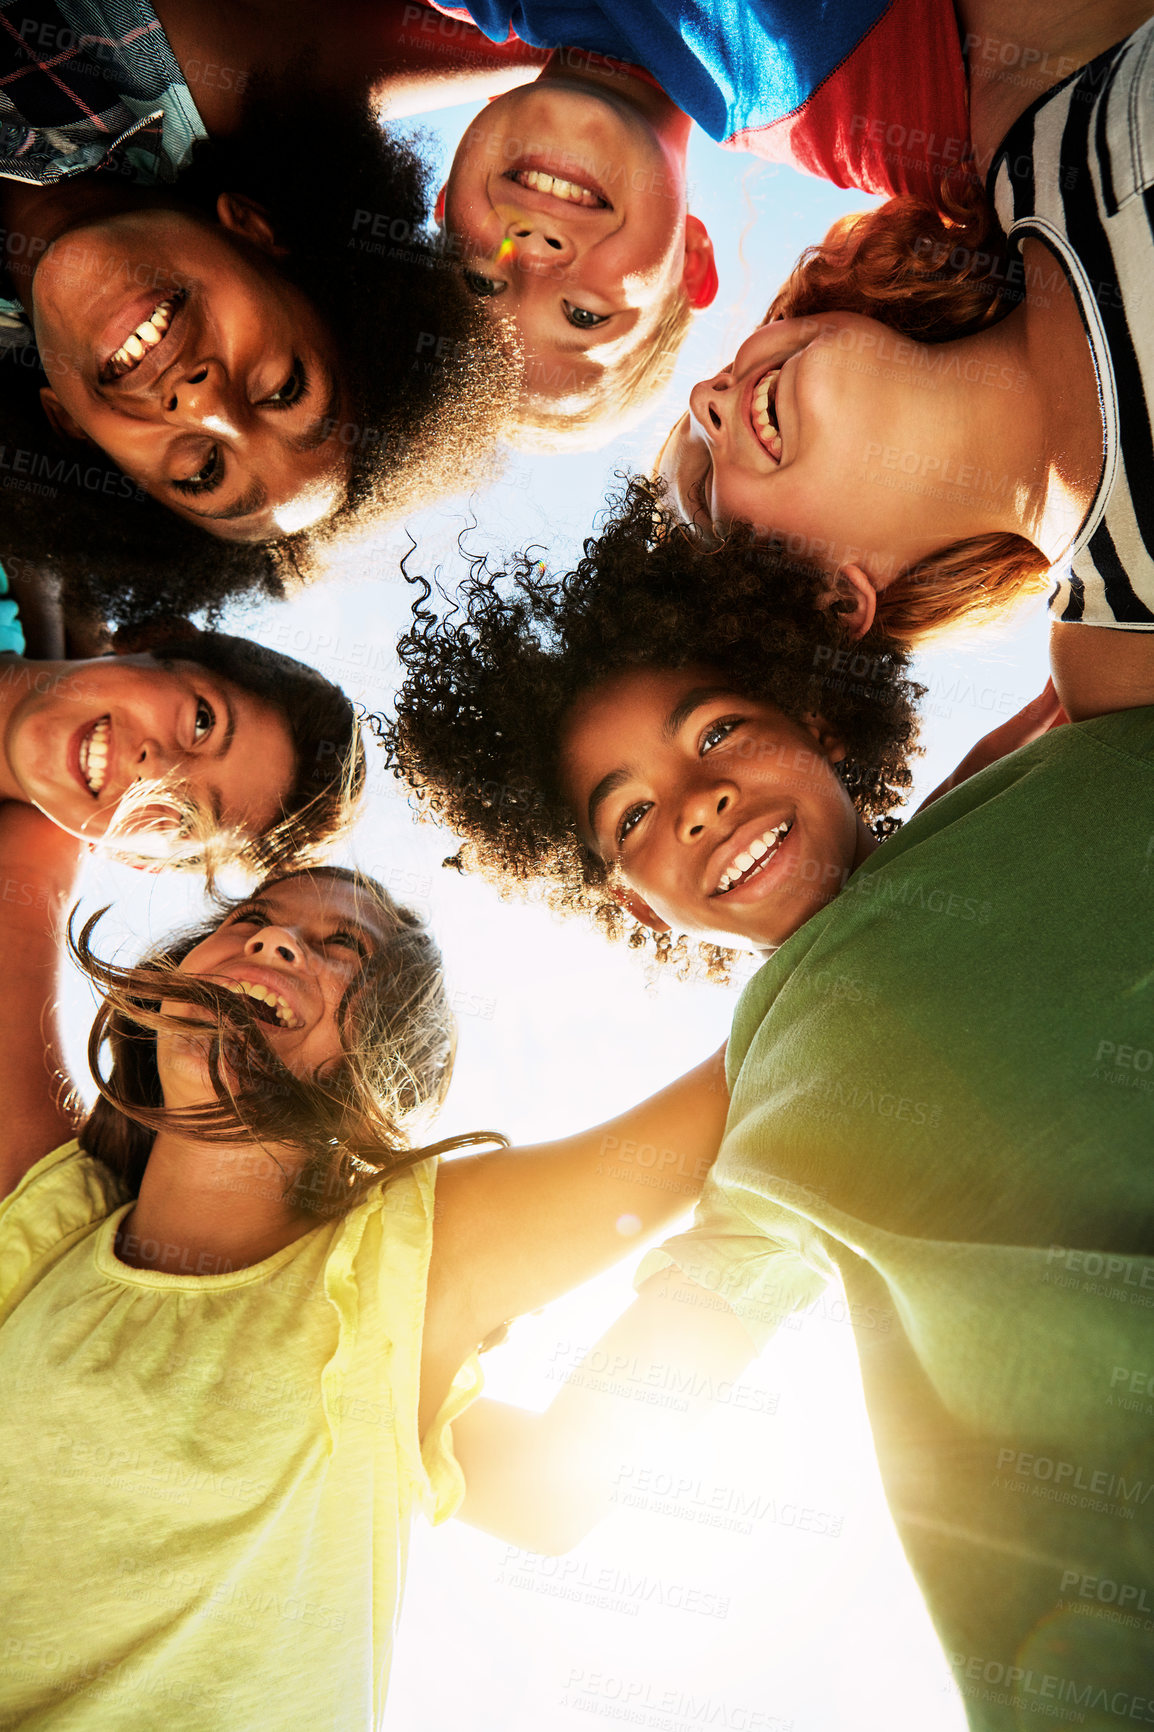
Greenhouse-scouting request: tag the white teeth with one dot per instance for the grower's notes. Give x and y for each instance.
(566, 189)
(764, 392)
(758, 853)
(252, 989)
(94, 755)
(146, 336)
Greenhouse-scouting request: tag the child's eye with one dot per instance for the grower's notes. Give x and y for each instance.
(251, 915)
(629, 821)
(481, 286)
(207, 477)
(583, 317)
(205, 721)
(348, 941)
(296, 386)
(718, 731)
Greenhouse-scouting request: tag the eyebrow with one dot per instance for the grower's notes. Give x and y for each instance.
(319, 430)
(607, 785)
(229, 727)
(670, 728)
(253, 500)
(681, 711)
(215, 802)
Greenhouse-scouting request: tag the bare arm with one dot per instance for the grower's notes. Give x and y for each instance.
(403, 54)
(1098, 670)
(1018, 49)
(38, 863)
(541, 1481)
(1037, 717)
(516, 1229)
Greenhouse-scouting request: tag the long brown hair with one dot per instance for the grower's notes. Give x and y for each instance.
(355, 1126)
(935, 276)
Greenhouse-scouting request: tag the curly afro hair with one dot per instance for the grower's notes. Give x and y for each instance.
(480, 717)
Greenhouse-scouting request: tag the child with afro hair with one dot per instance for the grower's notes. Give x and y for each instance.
(663, 740)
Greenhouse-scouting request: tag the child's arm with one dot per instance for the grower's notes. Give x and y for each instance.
(1098, 669)
(1039, 715)
(38, 863)
(518, 1228)
(403, 53)
(541, 1481)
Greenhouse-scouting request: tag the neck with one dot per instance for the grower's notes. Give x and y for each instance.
(207, 1208)
(867, 844)
(20, 680)
(581, 69)
(966, 447)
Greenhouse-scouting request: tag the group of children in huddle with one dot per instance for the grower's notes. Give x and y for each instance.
(698, 738)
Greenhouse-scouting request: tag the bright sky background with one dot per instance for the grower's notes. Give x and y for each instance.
(800, 1629)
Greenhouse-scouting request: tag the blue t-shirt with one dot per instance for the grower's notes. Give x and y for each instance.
(865, 93)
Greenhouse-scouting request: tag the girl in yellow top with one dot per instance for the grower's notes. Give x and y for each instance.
(234, 1334)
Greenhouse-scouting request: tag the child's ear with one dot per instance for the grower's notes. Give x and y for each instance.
(59, 419)
(243, 216)
(854, 599)
(639, 909)
(830, 744)
(700, 274)
(439, 209)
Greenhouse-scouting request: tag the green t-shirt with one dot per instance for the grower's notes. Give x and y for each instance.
(943, 1092)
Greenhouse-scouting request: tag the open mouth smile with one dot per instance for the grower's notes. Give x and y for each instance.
(273, 1008)
(580, 193)
(763, 413)
(94, 756)
(753, 859)
(148, 335)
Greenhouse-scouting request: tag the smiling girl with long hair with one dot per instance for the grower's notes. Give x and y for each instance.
(234, 1333)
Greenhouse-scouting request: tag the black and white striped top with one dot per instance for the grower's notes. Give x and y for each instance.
(1076, 172)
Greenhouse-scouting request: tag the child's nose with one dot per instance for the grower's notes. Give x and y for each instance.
(706, 401)
(540, 243)
(274, 941)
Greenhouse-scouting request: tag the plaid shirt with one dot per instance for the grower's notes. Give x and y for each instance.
(80, 79)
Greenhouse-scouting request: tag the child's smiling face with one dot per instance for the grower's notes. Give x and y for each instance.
(295, 948)
(75, 742)
(178, 346)
(723, 817)
(566, 204)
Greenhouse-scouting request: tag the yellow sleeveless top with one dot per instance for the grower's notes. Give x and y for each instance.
(207, 1482)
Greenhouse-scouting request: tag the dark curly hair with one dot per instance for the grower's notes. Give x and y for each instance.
(428, 389)
(480, 716)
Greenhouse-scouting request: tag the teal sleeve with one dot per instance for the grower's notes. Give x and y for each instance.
(11, 632)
